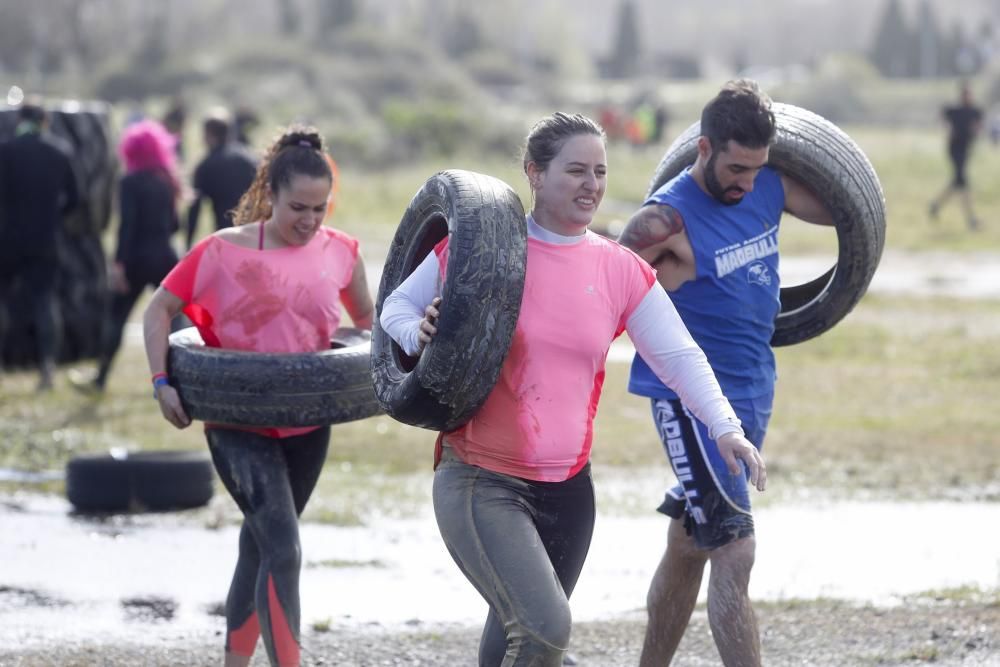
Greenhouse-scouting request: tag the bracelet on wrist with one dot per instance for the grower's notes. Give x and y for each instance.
(159, 380)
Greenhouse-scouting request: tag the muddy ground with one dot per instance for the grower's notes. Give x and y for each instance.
(943, 631)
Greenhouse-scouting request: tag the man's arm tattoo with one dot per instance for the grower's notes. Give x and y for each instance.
(651, 225)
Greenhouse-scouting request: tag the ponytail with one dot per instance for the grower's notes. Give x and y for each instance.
(298, 151)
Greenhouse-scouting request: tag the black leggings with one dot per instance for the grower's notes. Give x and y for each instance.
(271, 481)
(959, 154)
(138, 275)
(37, 274)
(522, 544)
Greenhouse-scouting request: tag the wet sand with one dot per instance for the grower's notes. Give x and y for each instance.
(817, 633)
(155, 614)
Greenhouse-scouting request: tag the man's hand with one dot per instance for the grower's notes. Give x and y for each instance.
(733, 446)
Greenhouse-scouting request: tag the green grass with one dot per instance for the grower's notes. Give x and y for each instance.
(910, 162)
(911, 165)
(894, 401)
(959, 595)
(323, 625)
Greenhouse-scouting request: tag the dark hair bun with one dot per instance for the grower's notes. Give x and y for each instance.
(306, 137)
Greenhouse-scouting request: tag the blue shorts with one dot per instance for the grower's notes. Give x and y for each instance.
(714, 503)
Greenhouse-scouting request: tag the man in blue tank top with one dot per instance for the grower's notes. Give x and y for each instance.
(711, 233)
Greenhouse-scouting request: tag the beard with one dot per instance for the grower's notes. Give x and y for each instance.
(714, 185)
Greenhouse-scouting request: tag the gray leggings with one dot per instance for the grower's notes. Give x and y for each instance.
(522, 544)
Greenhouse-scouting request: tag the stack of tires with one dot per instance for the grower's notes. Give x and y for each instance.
(81, 280)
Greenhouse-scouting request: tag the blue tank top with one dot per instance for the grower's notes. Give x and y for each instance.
(730, 305)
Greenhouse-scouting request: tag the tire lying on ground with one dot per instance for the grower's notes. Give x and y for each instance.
(252, 389)
(818, 154)
(481, 298)
(139, 481)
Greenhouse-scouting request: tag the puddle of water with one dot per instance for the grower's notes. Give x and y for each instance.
(964, 276)
(971, 276)
(168, 573)
(30, 476)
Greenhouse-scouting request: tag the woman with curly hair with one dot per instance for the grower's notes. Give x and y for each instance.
(272, 283)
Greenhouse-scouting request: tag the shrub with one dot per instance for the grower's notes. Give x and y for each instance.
(438, 128)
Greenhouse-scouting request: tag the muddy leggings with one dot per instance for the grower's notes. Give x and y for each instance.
(139, 275)
(522, 544)
(270, 480)
(36, 276)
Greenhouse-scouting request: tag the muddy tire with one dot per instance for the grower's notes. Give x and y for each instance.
(818, 154)
(251, 389)
(86, 128)
(480, 299)
(139, 481)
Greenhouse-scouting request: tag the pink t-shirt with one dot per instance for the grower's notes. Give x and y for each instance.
(277, 300)
(537, 423)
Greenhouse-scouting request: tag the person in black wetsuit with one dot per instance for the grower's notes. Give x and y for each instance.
(174, 120)
(222, 176)
(148, 194)
(964, 122)
(245, 121)
(38, 186)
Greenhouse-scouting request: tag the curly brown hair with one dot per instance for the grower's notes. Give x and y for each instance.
(297, 151)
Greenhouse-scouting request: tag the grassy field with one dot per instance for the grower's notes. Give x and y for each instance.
(897, 401)
(911, 165)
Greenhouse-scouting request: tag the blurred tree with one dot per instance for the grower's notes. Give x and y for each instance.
(891, 52)
(627, 51)
(336, 14)
(464, 35)
(948, 52)
(986, 41)
(155, 28)
(15, 35)
(288, 13)
(79, 15)
(965, 57)
(928, 42)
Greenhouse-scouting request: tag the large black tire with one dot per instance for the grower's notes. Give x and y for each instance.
(139, 481)
(251, 389)
(86, 127)
(818, 154)
(481, 299)
(81, 284)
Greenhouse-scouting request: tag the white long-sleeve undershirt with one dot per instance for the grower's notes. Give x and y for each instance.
(655, 328)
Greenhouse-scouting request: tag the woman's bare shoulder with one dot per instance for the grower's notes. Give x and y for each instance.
(241, 235)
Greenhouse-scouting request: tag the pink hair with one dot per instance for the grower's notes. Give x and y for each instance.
(148, 145)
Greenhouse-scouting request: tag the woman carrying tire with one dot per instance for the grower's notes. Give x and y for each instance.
(512, 488)
(272, 283)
